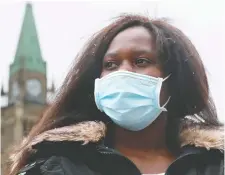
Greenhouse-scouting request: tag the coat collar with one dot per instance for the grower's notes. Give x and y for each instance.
(94, 131)
(191, 134)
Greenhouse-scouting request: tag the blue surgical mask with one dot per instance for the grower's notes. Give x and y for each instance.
(131, 100)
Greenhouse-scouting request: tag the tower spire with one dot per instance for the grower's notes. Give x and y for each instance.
(28, 47)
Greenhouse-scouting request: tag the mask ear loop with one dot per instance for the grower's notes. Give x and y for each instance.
(163, 107)
(166, 77)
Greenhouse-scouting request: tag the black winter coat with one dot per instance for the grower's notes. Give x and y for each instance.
(78, 150)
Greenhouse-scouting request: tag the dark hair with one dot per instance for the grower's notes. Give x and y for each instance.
(187, 85)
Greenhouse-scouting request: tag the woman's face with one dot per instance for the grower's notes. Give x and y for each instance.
(133, 50)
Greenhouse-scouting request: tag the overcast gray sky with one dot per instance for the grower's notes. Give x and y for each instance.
(63, 27)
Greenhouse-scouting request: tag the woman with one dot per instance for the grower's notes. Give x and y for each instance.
(136, 102)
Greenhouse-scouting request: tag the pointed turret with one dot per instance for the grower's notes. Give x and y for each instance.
(2, 91)
(28, 47)
(53, 87)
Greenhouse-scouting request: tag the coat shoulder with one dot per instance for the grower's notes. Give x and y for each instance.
(210, 162)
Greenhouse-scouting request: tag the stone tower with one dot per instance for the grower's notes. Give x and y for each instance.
(27, 93)
(28, 68)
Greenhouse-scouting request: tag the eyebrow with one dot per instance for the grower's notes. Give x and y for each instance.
(134, 51)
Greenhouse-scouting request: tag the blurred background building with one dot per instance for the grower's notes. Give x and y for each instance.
(28, 93)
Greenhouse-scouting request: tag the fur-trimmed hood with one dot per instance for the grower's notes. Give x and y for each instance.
(94, 131)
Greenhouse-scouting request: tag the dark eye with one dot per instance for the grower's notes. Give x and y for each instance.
(110, 65)
(142, 62)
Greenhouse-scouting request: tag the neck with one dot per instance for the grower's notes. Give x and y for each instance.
(151, 138)
(145, 147)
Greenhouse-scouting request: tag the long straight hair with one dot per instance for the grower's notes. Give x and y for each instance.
(187, 85)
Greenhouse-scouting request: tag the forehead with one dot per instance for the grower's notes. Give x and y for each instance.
(134, 38)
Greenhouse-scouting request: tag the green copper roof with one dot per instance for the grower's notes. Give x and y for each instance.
(28, 47)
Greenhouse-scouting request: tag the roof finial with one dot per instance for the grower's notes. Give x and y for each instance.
(52, 89)
(53, 86)
(2, 91)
